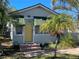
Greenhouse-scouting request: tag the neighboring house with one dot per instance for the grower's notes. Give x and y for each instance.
(29, 20)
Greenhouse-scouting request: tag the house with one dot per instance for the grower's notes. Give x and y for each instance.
(29, 20)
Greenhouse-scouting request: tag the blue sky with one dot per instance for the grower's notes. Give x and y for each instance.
(19, 4)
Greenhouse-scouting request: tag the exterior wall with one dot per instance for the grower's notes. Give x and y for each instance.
(44, 38)
(38, 11)
(18, 39)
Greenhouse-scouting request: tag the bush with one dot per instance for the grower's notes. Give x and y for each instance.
(67, 41)
(51, 45)
(44, 46)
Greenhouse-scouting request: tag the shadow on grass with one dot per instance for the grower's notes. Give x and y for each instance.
(64, 56)
(59, 56)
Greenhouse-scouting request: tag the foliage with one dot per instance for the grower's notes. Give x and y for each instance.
(68, 5)
(3, 14)
(51, 45)
(49, 56)
(57, 24)
(67, 41)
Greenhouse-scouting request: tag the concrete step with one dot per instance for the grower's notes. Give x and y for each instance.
(30, 47)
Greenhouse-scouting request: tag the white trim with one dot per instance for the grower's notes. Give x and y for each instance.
(38, 5)
(33, 33)
(11, 33)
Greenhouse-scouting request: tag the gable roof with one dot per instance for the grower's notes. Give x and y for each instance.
(34, 6)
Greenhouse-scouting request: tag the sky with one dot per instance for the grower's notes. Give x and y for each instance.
(19, 4)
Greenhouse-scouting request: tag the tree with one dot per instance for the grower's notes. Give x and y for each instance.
(57, 25)
(4, 18)
(69, 5)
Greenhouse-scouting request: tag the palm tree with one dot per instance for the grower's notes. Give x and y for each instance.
(57, 25)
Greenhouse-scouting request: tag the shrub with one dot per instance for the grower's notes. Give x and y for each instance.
(67, 41)
(44, 46)
(52, 45)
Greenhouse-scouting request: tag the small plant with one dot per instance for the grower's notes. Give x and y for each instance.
(51, 45)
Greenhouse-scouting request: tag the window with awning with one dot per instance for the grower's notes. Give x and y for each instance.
(19, 19)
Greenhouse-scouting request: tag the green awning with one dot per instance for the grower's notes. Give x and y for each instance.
(21, 21)
(38, 21)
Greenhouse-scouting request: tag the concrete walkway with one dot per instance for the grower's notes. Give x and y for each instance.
(72, 51)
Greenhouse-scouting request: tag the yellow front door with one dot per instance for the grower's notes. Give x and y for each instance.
(28, 31)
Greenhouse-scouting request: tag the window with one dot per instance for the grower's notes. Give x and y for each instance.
(37, 22)
(37, 29)
(38, 17)
(19, 29)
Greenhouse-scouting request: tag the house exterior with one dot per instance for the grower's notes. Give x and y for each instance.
(29, 23)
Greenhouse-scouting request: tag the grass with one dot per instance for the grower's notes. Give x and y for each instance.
(58, 57)
(49, 56)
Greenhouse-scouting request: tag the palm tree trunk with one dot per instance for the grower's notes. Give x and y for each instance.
(55, 52)
(78, 16)
(57, 42)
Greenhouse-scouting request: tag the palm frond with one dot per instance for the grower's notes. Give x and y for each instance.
(58, 23)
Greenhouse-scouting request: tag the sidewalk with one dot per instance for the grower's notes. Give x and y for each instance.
(73, 51)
